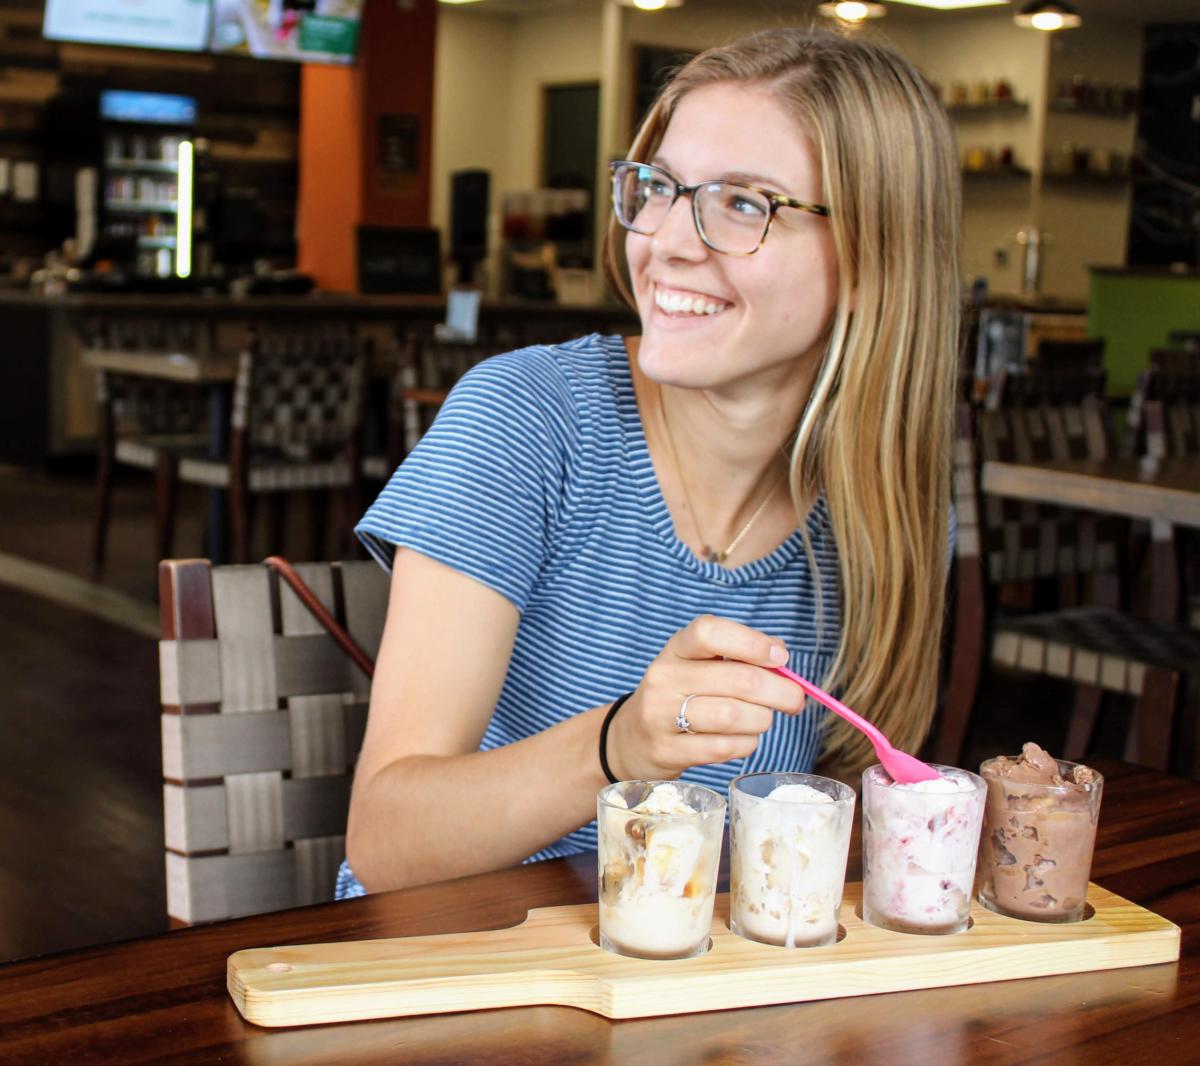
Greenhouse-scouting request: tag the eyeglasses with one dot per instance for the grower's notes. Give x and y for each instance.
(731, 217)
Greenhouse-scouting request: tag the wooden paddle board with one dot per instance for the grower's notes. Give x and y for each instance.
(553, 958)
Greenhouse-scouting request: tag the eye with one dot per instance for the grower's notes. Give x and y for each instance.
(657, 187)
(741, 204)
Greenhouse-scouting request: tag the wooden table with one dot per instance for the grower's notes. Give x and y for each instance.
(1163, 490)
(163, 998)
(1166, 492)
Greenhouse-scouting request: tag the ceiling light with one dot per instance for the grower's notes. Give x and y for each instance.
(852, 10)
(1047, 15)
(950, 5)
(651, 5)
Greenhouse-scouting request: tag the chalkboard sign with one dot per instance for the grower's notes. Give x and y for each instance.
(399, 259)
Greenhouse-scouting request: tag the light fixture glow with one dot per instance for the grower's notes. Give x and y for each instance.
(852, 11)
(183, 212)
(650, 5)
(950, 5)
(1048, 16)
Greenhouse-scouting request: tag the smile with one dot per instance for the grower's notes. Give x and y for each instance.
(683, 302)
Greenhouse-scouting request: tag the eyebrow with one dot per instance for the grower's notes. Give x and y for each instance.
(746, 177)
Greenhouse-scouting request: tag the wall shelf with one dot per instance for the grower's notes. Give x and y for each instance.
(990, 108)
(141, 206)
(1073, 107)
(153, 166)
(1001, 173)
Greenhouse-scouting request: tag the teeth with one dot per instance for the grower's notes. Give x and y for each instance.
(678, 303)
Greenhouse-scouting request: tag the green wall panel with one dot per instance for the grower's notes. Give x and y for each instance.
(1134, 313)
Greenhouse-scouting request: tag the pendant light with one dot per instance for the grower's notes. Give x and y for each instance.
(1048, 15)
(852, 10)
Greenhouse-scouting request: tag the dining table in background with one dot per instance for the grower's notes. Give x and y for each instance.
(1163, 491)
(164, 998)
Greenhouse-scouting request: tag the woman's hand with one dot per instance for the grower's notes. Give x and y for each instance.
(725, 669)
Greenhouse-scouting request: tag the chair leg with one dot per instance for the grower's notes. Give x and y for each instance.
(277, 506)
(104, 488)
(1148, 741)
(966, 663)
(166, 486)
(239, 523)
(1083, 721)
(319, 517)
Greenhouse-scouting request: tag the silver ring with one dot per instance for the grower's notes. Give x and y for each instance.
(681, 722)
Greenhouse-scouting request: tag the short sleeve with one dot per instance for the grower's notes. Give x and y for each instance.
(483, 490)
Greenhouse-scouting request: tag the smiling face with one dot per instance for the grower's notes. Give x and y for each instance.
(711, 320)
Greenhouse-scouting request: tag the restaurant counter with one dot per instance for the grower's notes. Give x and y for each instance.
(48, 394)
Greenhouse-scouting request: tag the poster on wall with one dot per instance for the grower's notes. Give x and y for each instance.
(180, 25)
(309, 31)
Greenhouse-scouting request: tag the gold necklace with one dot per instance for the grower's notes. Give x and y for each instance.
(709, 554)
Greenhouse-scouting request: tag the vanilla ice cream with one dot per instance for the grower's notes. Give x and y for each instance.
(788, 844)
(659, 845)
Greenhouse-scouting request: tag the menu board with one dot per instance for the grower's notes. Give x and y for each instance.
(321, 31)
(182, 25)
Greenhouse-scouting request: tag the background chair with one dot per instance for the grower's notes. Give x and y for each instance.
(427, 372)
(141, 420)
(263, 717)
(1097, 647)
(296, 426)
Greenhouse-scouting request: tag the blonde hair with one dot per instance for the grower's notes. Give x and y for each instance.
(876, 434)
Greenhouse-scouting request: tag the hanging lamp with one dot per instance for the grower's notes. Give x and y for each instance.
(1047, 15)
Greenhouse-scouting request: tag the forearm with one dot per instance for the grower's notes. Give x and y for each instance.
(425, 818)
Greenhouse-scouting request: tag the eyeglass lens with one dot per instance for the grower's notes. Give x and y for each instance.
(731, 218)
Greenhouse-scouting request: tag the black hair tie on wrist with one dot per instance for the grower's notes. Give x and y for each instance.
(612, 711)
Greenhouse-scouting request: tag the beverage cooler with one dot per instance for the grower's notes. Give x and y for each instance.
(145, 218)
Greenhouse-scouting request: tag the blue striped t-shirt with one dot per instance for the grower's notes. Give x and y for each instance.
(536, 479)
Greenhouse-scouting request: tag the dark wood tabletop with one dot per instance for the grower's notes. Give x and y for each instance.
(1166, 490)
(163, 998)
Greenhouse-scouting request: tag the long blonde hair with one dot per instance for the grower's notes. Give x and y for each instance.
(876, 434)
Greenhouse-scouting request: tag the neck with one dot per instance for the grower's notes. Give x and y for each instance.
(719, 455)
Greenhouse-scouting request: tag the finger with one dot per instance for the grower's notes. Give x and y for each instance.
(714, 714)
(710, 637)
(740, 681)
(717, 747)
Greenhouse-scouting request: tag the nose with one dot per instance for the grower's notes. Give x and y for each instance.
(677, 237)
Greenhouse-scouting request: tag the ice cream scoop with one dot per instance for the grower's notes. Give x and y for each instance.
(902, 767)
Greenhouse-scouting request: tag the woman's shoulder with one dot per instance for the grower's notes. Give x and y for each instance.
(583, 363)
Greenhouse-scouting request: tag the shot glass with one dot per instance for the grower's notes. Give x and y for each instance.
(1036, 855)
(659, 845)
(919, 848)
(789, 835)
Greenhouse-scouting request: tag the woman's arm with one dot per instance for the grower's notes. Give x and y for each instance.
(427, 805)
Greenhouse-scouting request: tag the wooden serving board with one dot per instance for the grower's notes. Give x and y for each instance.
(552, 958)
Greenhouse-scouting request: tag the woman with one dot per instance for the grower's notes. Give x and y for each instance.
(762, 477)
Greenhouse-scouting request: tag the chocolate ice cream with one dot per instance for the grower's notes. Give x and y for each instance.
(1038, 834)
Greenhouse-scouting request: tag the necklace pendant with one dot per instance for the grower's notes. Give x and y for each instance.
(713, 556)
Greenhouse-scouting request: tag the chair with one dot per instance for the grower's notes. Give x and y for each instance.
(1097, 647)
(141, 419)
(263, 717)
(296, 426)
(1172, 375)
(1063, 355)
(423, 380)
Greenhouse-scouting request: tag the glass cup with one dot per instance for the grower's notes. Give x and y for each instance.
(1036, 855)
(789, 835)
(659, 845)
(919, 848)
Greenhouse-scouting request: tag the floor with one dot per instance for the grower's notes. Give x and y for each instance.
(80, 780)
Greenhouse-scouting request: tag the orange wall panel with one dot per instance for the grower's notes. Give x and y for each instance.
(344, 182)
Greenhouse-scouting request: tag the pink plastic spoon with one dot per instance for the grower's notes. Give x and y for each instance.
(903, 768)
